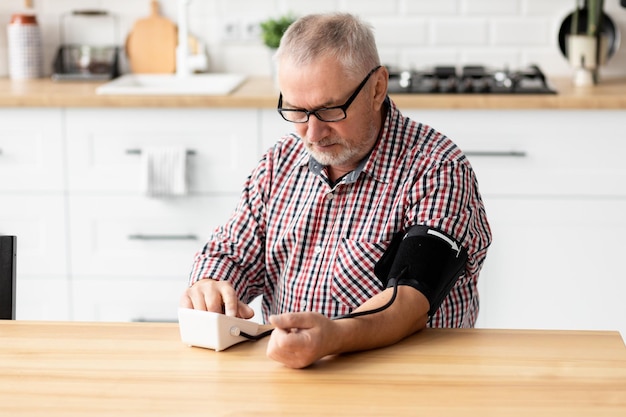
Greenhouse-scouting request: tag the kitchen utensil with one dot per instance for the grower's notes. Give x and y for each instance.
(94, 60)
(25, 46)
(151, 44)
(609, 29)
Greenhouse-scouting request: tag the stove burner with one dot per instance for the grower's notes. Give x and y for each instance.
(472, 79)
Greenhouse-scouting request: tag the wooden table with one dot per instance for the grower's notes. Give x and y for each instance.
(143, 369)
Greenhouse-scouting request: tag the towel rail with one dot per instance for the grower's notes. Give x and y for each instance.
(138, 152)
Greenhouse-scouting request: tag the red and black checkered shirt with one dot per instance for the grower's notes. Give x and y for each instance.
(308, 245)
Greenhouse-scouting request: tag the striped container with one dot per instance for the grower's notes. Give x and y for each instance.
(25, 47)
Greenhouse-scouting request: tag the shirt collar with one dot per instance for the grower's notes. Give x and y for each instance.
(351, 177)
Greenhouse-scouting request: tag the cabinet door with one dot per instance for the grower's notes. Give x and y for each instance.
(553, 186)
(31, 150)
(113, 236)
(555, 264)
(104, 146)
(126, 298)
(42, 297)
(273, 127)
(38, 221)
(539, 152)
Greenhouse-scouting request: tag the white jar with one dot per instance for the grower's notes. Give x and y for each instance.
(25, 47)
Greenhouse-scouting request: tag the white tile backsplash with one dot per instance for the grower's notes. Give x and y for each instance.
(521, 32)
(491, 7)
(460, 31)
(409, 32)
(430, 7)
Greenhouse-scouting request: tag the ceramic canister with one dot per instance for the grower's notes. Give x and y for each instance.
(25, 47)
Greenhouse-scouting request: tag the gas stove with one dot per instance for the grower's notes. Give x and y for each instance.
(469, 79)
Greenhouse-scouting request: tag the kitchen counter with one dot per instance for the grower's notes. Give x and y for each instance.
(258, 92)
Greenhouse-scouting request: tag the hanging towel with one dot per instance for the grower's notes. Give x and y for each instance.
(164, 171)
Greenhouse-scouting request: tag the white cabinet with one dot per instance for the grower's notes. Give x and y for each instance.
(32, 207)
(554, 189)
(539, 152)
(31, 150)
(273, 127)
(38, 221)
(130, 254)
(104, 146)
(113, 236)
(555, 264)
(92, 247)
(126, 298)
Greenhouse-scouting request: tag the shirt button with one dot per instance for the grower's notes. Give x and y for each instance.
(317, 250)
(330, 196)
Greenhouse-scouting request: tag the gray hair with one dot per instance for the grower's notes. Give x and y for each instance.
(338, 35)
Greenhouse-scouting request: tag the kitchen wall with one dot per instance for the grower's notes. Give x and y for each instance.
(410, 33)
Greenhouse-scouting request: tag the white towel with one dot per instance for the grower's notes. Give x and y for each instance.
(164, 171)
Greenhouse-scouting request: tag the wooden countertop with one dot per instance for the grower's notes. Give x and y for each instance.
(143, 369)
(258, 92)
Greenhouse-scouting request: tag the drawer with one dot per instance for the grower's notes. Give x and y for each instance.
(539, 152)
(126, 299)
(273, 127)
(141, 237)
(131, 299)
(42, 297)
(104, 146)
(31, 150)
(40, 227)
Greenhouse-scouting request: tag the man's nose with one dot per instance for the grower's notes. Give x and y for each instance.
(316, 129)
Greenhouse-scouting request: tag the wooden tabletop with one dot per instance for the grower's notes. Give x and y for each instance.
(260, 92)
(143, 369)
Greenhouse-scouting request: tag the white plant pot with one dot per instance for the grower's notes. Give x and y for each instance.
(273, 68)
(581, 51)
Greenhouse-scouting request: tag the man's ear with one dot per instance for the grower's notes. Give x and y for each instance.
(380, 88)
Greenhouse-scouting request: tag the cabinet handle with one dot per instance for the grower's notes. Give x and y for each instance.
(162, 237)
(138, 152)
(499, 154)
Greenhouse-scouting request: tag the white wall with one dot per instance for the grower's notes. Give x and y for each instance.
(409, 32)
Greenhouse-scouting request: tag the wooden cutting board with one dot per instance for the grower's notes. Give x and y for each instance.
(151, 44)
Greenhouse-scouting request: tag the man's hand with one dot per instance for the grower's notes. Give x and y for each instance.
(215, 296)
(299, 339)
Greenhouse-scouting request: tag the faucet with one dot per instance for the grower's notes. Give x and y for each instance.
(186, 63)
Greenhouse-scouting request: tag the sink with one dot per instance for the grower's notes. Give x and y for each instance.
(170, 84)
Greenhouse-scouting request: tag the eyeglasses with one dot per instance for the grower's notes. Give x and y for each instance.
(325, 114)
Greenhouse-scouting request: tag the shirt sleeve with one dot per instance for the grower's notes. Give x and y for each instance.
(446, 197)
(235, 251)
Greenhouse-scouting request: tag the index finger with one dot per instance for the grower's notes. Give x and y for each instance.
(230, 300)
(293, 320)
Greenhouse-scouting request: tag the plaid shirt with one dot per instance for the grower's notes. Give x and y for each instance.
(308, 245)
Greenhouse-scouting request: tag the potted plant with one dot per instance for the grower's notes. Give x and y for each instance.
(587, 48)
(272, 30)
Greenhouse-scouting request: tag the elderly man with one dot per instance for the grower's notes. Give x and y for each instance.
(322, 208)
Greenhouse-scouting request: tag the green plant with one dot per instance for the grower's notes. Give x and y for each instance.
(272, 30)
(594, 9)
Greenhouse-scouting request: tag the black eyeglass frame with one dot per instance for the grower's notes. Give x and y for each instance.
(315, 112)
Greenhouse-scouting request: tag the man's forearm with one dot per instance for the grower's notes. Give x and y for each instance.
(405, 316)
